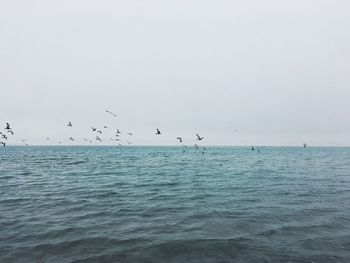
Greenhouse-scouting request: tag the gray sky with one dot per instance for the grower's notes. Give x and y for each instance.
(278, 71)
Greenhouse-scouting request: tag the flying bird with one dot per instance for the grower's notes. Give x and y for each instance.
(100, 132)
(115, 115)
(4, 136)
(179, 138)
(47, 138)
(305, 145)
(93, 129)
(105, 127)
(158, 132)
(85, 139)
(196, 146)
(253, 148)
(10, 131)
(24, 140)
(98, 139)
(71, 138)
(199, 138)
(3, 144)
(7, 126)
(130, 133)
(118, 131)
(70, 124)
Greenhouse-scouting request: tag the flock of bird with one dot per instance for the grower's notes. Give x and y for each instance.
(117, 138)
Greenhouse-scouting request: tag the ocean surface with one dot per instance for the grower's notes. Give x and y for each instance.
(160, 204)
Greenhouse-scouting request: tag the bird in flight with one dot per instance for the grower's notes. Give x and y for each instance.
(71, 138)
(118, 131)
(130, 133)
(100, 132)
(305, 145)
(7, 126)
(105, 127)
(4, 136)
(180, 139)
(115, 115)
(196, 146)
(47, 138)
(10, 131)
(93, 129)
(85, 139)
(24, 140)
(98, 139)
(70, 124)
(199, 138)
(3, 144)
(158, 132)
(253, 148)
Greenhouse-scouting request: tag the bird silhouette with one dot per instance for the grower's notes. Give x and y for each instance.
(180, 139)
(158, 132)
(199, 138)
(69, 124)
(71, 138)
(3, 143)
(305, 145)
(93, 129)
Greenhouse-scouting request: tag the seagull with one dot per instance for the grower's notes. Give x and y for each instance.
(100, 132)
(71, 138)
(98, 139)
(24, 140)
(105, 126)
(70, 124)
(93, 129)
(196, 146)
(115, 115)
(118, 131)
(305, 145)
(85, 139)
(4, 136)
(7, 126)
(47, 138)
(179, 138)
(158, 132)
(130, 133)
(10, 131)
(253, 148)
(199, 138)
(3, 144)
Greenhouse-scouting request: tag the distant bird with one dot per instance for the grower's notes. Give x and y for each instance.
(199, 138)
(118, 131)
(253, 148)
(70, 124)
(179, 138)
(130, 133)
(236, 130)
(71, 138)
(196, 146)
(93, 129)
(158, 132)
(105, 127)
(8, 127)
(3, 144)
(24, 140)
(115, 115)
(60, 142)
(47, 138)
(117, 135)
(116, 139)
(4, 136)
(98, 139)
(10, 131)
(305, 145)
(85, 139)
(100, 132)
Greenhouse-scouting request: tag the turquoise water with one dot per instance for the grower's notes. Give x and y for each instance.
(160, 204)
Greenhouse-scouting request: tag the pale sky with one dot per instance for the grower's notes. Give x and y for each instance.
(278, 71)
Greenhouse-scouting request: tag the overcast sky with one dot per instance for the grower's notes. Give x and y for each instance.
(278, 71)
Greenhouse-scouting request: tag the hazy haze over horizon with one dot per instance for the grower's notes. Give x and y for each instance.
(278, 71)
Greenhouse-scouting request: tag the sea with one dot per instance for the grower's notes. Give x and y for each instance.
(174, 204)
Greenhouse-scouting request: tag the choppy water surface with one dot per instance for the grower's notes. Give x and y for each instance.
(158, 204)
